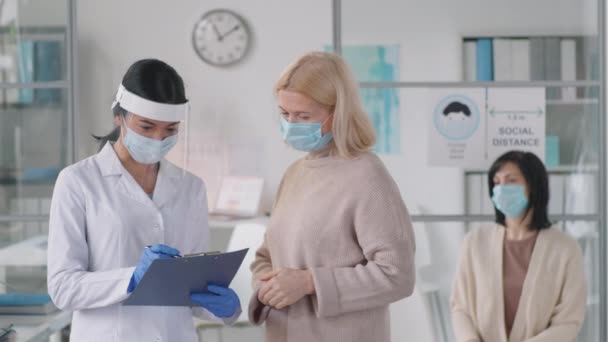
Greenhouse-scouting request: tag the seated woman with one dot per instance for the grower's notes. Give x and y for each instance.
(521, 280)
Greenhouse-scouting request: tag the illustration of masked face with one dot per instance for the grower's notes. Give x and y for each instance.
(456, 122)
(456, 116)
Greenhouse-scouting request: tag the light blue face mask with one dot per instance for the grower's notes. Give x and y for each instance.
(510, 199)
(147, 150)
(306, 137)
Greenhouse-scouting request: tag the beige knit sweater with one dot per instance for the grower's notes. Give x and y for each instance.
(553, 299)
(346, 222)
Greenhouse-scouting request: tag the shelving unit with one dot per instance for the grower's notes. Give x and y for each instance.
(37, 140)
(37, 104)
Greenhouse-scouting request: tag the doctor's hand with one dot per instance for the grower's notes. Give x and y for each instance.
(148, 256)
(284, 287)
(222, 302)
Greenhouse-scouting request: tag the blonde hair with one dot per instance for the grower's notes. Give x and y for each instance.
(325, 78)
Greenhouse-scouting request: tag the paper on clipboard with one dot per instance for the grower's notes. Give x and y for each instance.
(169, 282)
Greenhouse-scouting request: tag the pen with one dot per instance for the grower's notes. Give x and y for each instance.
(199, 254)
(193, 254)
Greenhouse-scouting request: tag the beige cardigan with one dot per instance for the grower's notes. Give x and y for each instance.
(553, 299)
(346, 222)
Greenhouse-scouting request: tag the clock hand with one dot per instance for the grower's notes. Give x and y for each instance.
(217, 32)
(235, 28)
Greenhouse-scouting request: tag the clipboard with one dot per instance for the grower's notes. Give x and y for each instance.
(169, 282)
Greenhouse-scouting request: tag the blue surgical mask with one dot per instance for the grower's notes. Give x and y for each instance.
(510, 199)
(146, 150)
(306, 137)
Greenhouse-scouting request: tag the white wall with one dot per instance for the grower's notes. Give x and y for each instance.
(233, 105)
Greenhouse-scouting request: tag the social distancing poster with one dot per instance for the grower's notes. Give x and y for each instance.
(471, 127)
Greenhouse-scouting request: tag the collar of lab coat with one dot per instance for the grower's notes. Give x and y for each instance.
(166, 183)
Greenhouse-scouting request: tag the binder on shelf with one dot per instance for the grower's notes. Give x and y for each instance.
(470, 60)
(520, 58)
(537, 59)
(502, 59)
(26, 70)
(11, 75)
(581, 72)
(568, 67)
(47, 67)
(592, 65)
(485, 67)
(553, 66)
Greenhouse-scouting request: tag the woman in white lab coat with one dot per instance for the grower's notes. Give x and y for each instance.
(107, 208)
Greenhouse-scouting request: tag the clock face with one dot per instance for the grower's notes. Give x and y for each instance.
(221, 38)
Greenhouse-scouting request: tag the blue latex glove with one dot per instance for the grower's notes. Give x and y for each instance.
(222, 302)
(148, 256)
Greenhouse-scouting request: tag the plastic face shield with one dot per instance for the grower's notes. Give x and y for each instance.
(151, 130)
(152, 110)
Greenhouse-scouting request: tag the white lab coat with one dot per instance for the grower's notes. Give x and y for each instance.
(100, 222)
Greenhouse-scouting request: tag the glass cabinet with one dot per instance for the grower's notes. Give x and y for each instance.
(37, 102)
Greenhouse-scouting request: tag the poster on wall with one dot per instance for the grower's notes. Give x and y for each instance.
(239, 196)
(470, 128)
(378, 63)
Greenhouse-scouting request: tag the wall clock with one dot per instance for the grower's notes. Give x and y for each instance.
(221, 38)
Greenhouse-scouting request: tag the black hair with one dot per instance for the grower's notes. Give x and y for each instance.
(456, 107)
(537, 181)
(153, 80)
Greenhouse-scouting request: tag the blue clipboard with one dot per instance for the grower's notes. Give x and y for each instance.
(169, 282)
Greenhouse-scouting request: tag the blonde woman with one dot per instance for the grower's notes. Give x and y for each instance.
(521, 280)
(339, 246)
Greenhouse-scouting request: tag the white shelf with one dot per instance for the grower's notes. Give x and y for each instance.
(550, 170)
(580, 101)
(574, 168)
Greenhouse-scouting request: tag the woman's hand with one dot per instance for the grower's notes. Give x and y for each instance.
(284, 287)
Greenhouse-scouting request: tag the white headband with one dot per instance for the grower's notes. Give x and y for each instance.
(150, 109)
